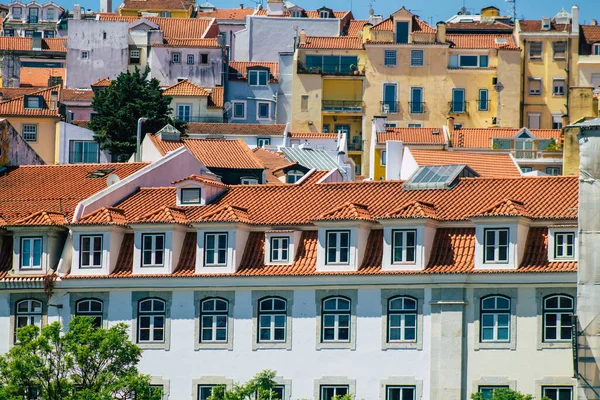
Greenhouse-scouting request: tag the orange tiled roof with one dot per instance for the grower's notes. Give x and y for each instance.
(418, 25)
(272, 161)
(307, 13)
(16, 106)
(11, 93)
(241, 67)
(332, 42)
(535, 25)
(38, 77)
(207, 128)
(157, 5)
(481, 41)
(185, 88)
(216, 99)
(312, 135)
(214, 153)
(26, 190)
(104, 82)
(479, 26)
(86, 95)
(165, 215)
(413, 135)
(347, 212)
(413, 209)
(227, 213)
(505, 208)
(355, 27)
(590, 33)
(200, 43)
(42, 218)
(482, 137)
(25, 44)
(103, 216)
(226, 13)
(202, 179)
(173, 28)
(488, 165)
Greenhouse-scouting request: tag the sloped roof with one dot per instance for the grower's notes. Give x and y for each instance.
(347, 212)
(308, 13)
(38, 77)
(504, 208)
(104, 82)
(158, 4)
(164, 215)
(241, 67)
(482, 41)
(590, 33)
(227, 213)
(16, 106)
(312, 135)
(103, 216)
(226, 13)
(486, 165)
(42, 218)
(83, 95)
(185, 88)
(18, 43)
(206, 128)
(413, 209)
(413, 135)
(310, 158)
(11, 93)
(482, 137)
(535, 25)
(173, 28)
(332, 42)
(355, 27)
(203, 179)
(214, 153)
(200, 43)
(216, 98)
(487, 25)
(418, 25)
(272, 161)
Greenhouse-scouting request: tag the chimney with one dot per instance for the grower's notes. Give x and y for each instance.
(275, 7)
(575, 19)
(379, 123)
(242, 6)
(302, 37)
(594, 22)
(36, 41)
(393, 162)
(450, 126)
(53, 100)
(76, 11)
(440, 32)
(565, 120)
(106, 6)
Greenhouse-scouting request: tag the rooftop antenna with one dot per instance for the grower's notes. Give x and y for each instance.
(513, 9)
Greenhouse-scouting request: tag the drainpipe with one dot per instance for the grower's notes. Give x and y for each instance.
(568, 83)
(138, 149)
(524, 84)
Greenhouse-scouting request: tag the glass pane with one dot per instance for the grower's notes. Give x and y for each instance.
(96, 306)
(208, 305)
(490, 237)
(343, 334)
(328, 334)
(502, 253)
(146, 305)
(147, 242)
(97, 258)
(503, 238)
(221, 305)
(332, 239)
(210, 242)
(409, 333)
(265, 334)
(566, 302)
(265, 321)
(279, 334)
(565, 333)
(503, 334)
(344, 255)
(147, 257)
(395, 320)
(160, 242)
(158, 322)
(158, 335)
(221, 321)
(551, 319)
(279, 305)
(408, 394)
(158, 305)
(396, 304)
(487, 320)
(144, 335)
(328, 320)
(410, 254)
(503, 303)
(344, 238)
(343, 304)
(552, 302)
(395, 334)
(550, 333)
(221, 335)
(37, 252)
(23, 307)
(329, 304)
(503, 319)
(222, 254)
(410, 304)
(280, 321)
(344, 320)
(206, 335)
(487, 334)
(410, 320)
(331, 255)
(488, 304)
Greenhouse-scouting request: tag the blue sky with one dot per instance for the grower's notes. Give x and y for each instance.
(429, 10)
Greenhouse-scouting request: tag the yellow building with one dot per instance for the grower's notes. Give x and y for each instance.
(35, 117)
(192, 103)
(159, 8)
(328, 87)
(550, 58)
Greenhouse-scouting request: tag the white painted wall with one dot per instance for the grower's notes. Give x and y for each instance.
(68, 132)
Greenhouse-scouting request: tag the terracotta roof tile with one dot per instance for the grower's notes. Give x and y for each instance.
(590, 33)
(200, 43)
(216, 98)
(16, 106)
(103, 216)
(535, 25)
(413, 136)
(482, 137)
(413, 209)
(355, 27)
(11, 93)
(104, 82)
(535, 258)
(272, 161)
(25, 44)
(347, 212)
(26, 190)
(482, 41)
(490, 25)
(226, 13)
(42, 218)
(185, 88)
(124, 265)
(227, 213)
(202, 179)
(39, 77)
(164, 215)
(312, 135)
(418, 26)
(332, 42)
(241, 68)
(173, 28)
(83, 95)
(143, 5)
(214, 153)
(453, 251)
(504, 208)
(314, 177)
(187, 259)
(206, 128)
(487, 165)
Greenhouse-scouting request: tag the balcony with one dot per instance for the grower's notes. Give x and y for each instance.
(343, 106)
(458, 107)
(33, 19)
(332, 69)
(536, 154)
(417, 107)
(355, 146)
(390, 107)
(198, 118)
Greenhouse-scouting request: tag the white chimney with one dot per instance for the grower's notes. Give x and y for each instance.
(575, 19)
(379, 123)
(106, 6)
(393, 162)
(76, 11)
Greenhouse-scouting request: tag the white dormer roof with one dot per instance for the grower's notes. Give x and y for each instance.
(141, 23)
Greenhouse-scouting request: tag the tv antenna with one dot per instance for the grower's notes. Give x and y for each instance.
(513, 9)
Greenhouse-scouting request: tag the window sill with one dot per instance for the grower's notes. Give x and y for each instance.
(555, 345)
(155, 346)
(402, 346)
(336, 346)
(287, 345)
(495, 346)
(213, 346)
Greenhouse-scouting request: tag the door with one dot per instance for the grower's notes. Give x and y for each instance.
(416, 100)
(458, 101)
(389, 104)
(402, 32)
(184, 112)
(33, 15)
(524, 149)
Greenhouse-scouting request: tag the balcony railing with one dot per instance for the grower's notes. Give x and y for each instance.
(458, 107)
(197, 118)
(416, 107)
(332, 69)
(356, 146)
(349, 106)
(33, 19)
(483, 105)
(389, 107)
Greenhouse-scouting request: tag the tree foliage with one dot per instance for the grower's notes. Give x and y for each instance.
(84, 363)
(118, 107)
(258, 388)
(505, 394)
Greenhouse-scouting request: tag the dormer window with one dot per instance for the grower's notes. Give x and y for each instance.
(402, 29)
(323, 14)
(496, 246)
(258, 77)
(17, 12)
(564, 245)
(153, 249)
(280, 249)
(338, 247)
(50, 14)
(31, 253)
(249, 181)
(215, 249)
(596, 49)
(91, 251)
(191, 196)
(294, 176)
(296, 14)
(33, 102)
(404, 246)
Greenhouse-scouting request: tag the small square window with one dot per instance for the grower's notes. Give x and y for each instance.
(203, 58)
(85, 55)
(416, 58)
(390, 58)
(262, 142)
(280, 249)
(564, 245)
(558, 87)
(165, 14)
(239, 110)
(215, 249)
(176, 58)
(30, 132)
(190, 196)
(258, 78)
(263, 110)
(535, 87)
(134, 57)
(153, 250)
(496, 246)
(190, 59)
(338, 247)
(323, 14)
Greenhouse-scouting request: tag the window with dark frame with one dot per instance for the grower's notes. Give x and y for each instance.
(91, 308)
(557, 318)
(280, 249)
(496, 246)
(151, 320)
(400, 393)
(190, 196)
(404, 246)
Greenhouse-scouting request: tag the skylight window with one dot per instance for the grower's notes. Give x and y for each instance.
(500, 40)
(100, 173)
(437, 177)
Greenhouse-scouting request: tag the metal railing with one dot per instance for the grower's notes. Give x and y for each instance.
(33, 19)
(356, 146)
(352, 106)
(458, 107)
(332, 69)
(390, 107)
(416, 107)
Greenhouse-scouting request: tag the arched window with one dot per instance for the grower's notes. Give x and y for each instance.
(294, 176)
(90, 308)
(272, 315)
(214, 313)
(151, 320)
(336, 319)
(402, 319)
(558, 311)
(29, 312)
(495, 319)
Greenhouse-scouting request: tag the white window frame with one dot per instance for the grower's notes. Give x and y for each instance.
(496, 246)
(153, 316)
(214, 316)
(322, 389)
(29, 132)
(216, 249)
(17, 15)
(53, 17)
(233, 104)
(165, 14)
(31, 315)
(323, 14)
(413, 58)
(404, 248)
(190, 59)
(189, 190)
(85, 55)
(338, 247)
(495, 312)
(336, 313)
(558, 389)
(295, 174)
(132, 54)
(93, 239)
(262, 142)
(402, 312)
(35, 106)
(559, 312)
(555, 86)
(277, 251)
(249, 181)
(31, 240)
(176, 57)
(401, 388)
(564, 246)
(477, 56)
(383, 158)
(94, 314)
(393, 56)
(258, 117)
(257, 73)
(551, 173)
(154, 250)
(267, 319)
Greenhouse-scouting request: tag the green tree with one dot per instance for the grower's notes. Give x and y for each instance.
(258, 388)
(118, 107)
(84, 363)
(505, 394)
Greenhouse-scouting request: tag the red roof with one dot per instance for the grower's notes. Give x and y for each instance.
(332, 42)
(26, 44)
(16, 106)
(488, 165)
(418, 25)
(482, 41)
(590, 33)
(481, 138)
(272, 161)
(241, 68)
(39, 77)
(535, 25)
(173, 28)
(185, 88)
(413, 136)
(158, 5)
(200, 43)
(226, 13)
(104, 82)
(355, 27)
(83, 95)
(488, 25)
(207, 128)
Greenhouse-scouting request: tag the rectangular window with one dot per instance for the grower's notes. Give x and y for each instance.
(165, 14)
(203, 58)
(338, 247)
(416, 100)
(564, 245)
(215, 249)
(33, 102)
(416, 58)
(190, 196)
(596, 49)
(279, 392)
(390, 58)
(323, 14)
(560, 50)
(31, 253)
(404, 246)
(329, 392)
(9, 32)
(184, 112)
(249, 181)
(535, 86)
(325, 128)
(83, 151)
(205, 391)
(557, 121)
(304, 103)
(558, 87)
(90, 251)
(258, 78)
(30, 132)
(50, 14)
(402, 32)
(383, 158)
(484, 100)
(85, 55)
(534, 120)
(280, 249)
(558, 392)
(239, 110)
(458, 104)
(153, 250)
(414, 125)
(495, 246)
(48, 34)
(176, 58)
(535, 50)
(470, 61)
(390, 98)
(262, 142)
(488, 391)
(190, 59)
(525, 169)
(553, 171)
(134, 56)
(263, 110)
(400, 393)
(17, 12)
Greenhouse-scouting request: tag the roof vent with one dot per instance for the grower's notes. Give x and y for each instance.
(545, 23)
(500, 40)
(562, 18)
(100, 172)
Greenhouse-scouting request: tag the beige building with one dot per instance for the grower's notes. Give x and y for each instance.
(192, 103)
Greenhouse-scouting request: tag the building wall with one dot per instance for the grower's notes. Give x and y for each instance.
(251, 95)
(67, 132)
(14, 150)
(107, 57)
(45, 144)
(136, 13)
(199, 108)
(168, 73)
(284, 88)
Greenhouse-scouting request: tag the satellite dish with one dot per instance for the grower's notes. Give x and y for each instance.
(227, 106)
(112, 179)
